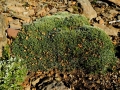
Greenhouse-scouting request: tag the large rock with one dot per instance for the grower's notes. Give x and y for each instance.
(26, 19)
(16, 9)
(3, 26)
(88, 10)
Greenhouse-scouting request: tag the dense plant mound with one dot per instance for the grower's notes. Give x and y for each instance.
(64, 43)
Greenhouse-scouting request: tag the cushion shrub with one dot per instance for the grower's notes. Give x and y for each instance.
(64, 43)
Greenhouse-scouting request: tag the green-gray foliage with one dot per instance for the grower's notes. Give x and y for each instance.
(62, 41)
(12, 74)
(60, 20)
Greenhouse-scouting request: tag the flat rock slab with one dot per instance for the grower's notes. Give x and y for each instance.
(88, 10)
(108, 30)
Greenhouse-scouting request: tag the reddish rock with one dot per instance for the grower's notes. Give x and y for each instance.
(12, 33)
(101, 21)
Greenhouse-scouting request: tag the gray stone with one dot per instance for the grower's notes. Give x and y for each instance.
(54, 10)
(108, 30)
(102, 2)
(56, 86)
(88, 10)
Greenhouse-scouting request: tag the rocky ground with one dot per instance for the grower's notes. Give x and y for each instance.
(102, 14)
